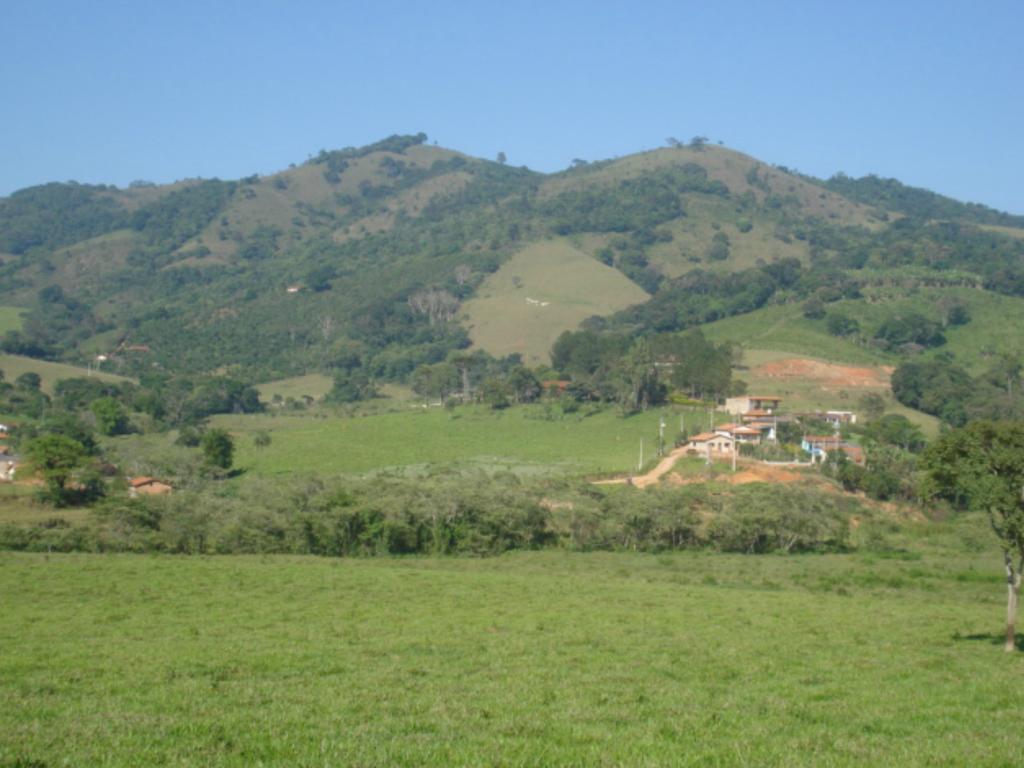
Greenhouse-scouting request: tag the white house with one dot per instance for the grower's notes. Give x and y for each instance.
(711, 443)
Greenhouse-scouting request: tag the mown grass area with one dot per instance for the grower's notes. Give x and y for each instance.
(527, 439)
(543, 290)
(547, 658)
(314, 385)
(10, 318)
(15, 365)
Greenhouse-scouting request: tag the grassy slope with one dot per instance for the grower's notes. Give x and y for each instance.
(530, 659)
(10, 319)
(994, 327)
(315, 385)
(15, 365)
(576, 286)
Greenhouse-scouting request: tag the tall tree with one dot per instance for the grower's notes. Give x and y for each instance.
(982, 466)
(218, 449)
(56, 457)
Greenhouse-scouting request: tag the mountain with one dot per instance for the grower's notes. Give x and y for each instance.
(386, 257)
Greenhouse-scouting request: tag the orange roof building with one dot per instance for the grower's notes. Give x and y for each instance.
(147, 486)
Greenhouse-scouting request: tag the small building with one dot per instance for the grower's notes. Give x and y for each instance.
(766, 404)
(821, 446)
(711, 443)
(8, 466)
(147, 486)
(293, 288)
(838, 418)
(767, 429)
(740, 433)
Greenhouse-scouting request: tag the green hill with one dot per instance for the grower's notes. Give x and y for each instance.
(393, 255)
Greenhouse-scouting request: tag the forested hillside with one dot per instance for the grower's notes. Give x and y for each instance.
(368, 264)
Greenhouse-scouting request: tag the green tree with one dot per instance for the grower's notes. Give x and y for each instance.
(982, 466)
(813, 309)
(110, 416)
(218, 449)
(28, 381)
(496, 392)
(872, 404)
(56, 457)
(840, 325)
(895, 429)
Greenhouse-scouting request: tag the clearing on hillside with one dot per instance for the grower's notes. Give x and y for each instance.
(827, 376)
(10, 318)
(812, 384)
(543, 290)
(15, 365)
(314, 385)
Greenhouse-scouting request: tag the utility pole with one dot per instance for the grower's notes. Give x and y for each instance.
(640, 466)
(734, 448)
(661, 436)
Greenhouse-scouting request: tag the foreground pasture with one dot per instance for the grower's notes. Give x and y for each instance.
(529, 659)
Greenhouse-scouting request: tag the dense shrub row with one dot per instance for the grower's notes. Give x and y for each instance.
(475, 515)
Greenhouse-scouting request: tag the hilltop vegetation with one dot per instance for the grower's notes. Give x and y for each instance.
(198, 271)
(386, 264)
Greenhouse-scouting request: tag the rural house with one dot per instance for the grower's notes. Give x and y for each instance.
(820, 446)
(766, 405)
(711, 444)
(147, 486)
(741, 433)
(838, 418)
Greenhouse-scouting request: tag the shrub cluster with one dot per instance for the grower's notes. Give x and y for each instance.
(453, 514)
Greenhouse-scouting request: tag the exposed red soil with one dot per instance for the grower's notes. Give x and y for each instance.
(826, 375)
(746, 473)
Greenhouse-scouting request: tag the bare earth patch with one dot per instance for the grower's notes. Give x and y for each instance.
(747, 473)
(828, 376)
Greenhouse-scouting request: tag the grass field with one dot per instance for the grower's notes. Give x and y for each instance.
(19, 507)
(15, 365)
(314, 385)
(518, 439)
(543, 290)
(530, 659)
(10, 318)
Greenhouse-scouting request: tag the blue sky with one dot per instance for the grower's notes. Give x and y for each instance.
(928, 92)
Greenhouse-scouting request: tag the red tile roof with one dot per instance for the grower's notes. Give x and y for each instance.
(703, 437)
